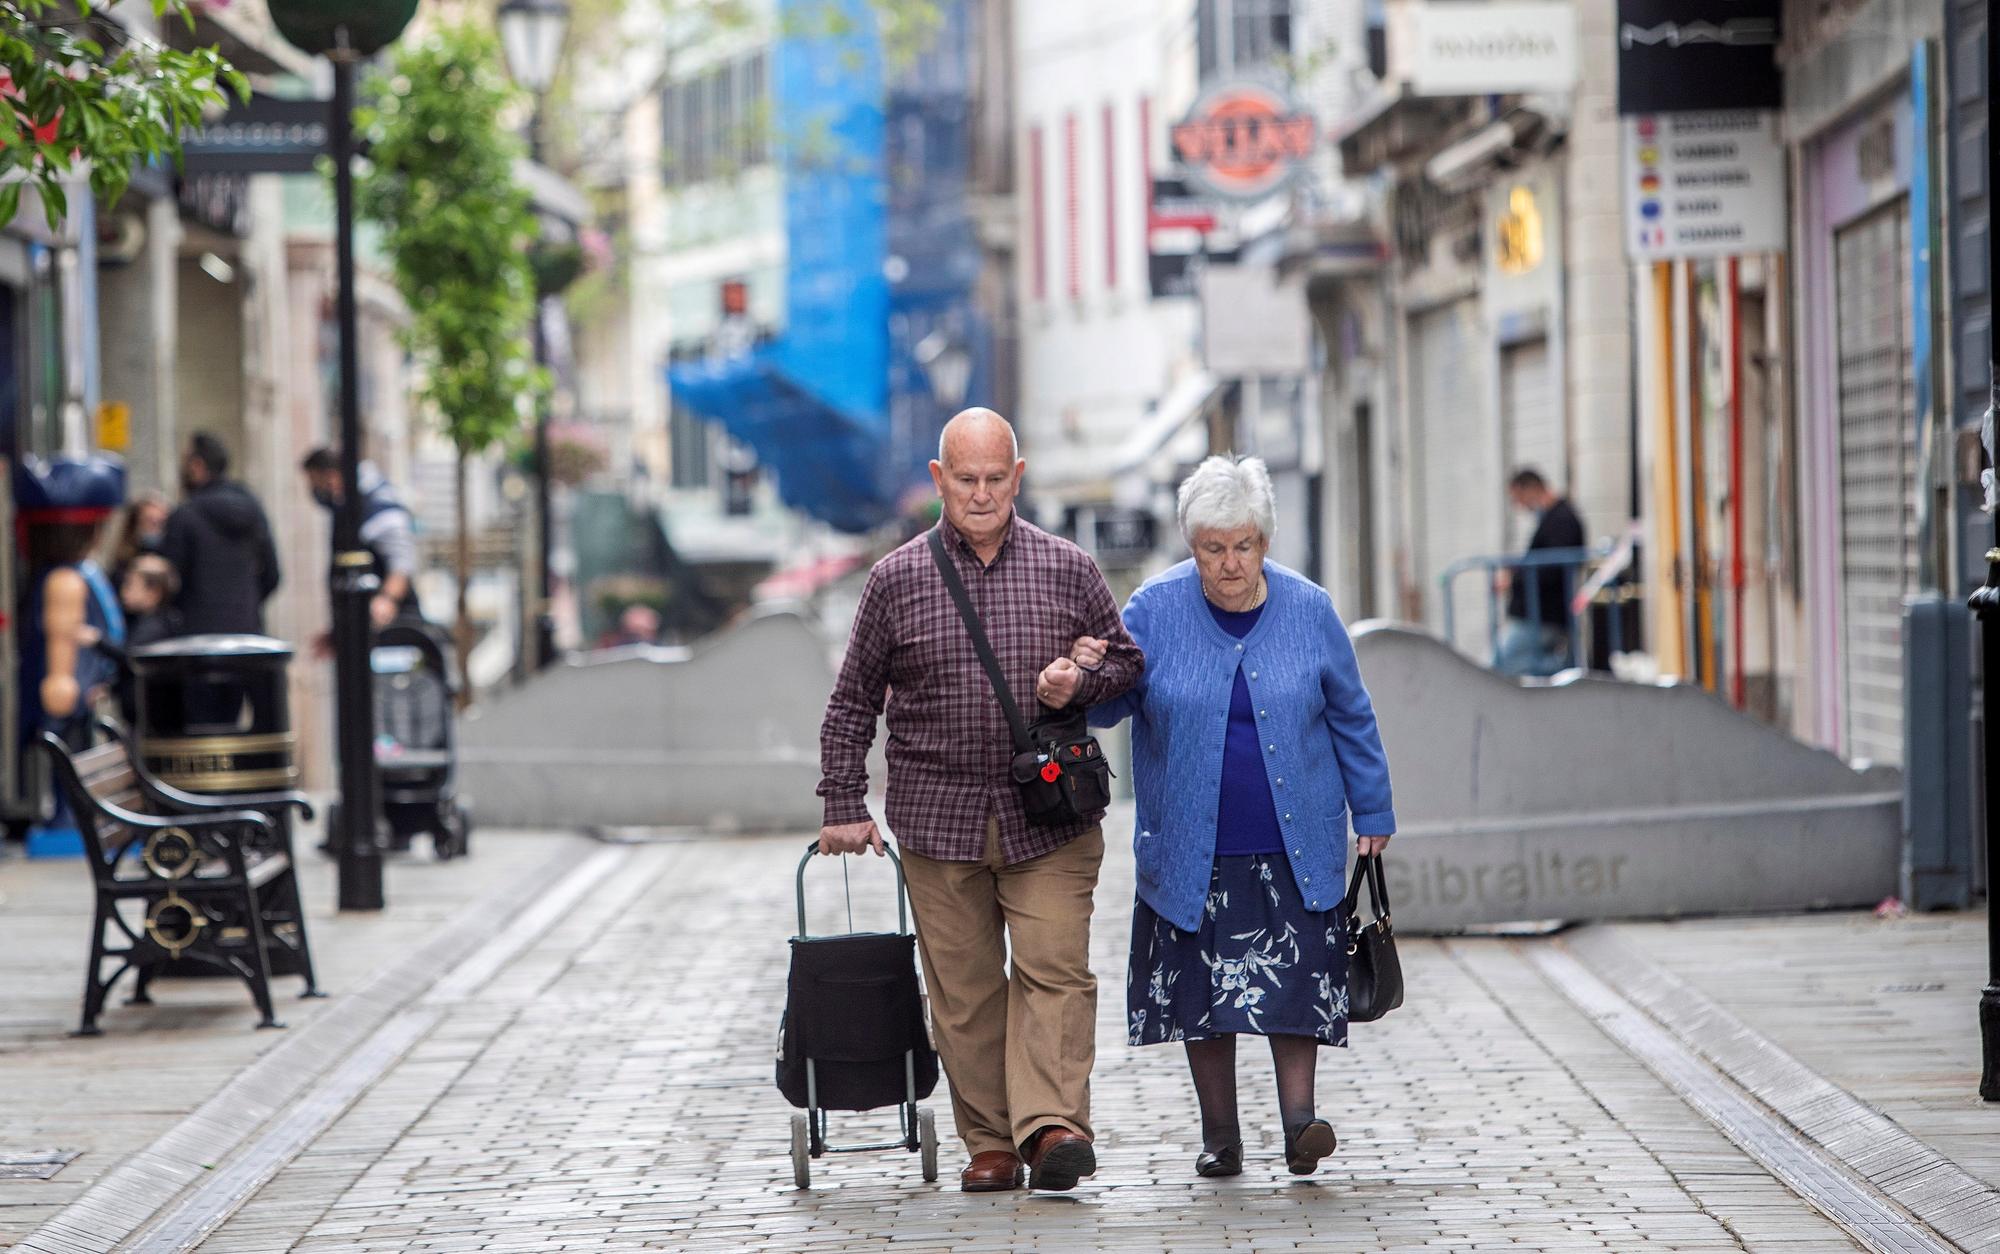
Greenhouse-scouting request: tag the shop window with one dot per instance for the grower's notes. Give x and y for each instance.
(1237, 35)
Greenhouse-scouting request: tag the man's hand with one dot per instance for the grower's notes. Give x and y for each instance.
(322, 646)
(1088, 652)
(1057, 686)
(850, 838)
(382, 610)
(1503, 580)
(1372, 845)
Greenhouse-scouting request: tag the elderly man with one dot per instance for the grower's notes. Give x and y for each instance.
(983, 881)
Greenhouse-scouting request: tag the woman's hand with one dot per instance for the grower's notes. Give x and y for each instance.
(1372, 845)
(1088, 652)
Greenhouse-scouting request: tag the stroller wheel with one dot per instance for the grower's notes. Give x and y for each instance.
(801, 1153)
(927, 1142)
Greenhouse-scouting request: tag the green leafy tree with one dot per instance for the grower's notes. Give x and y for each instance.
(79, 92)
(457, 229)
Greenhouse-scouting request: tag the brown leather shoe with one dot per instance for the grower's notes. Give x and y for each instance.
(991, 1171)
(1059, 1159)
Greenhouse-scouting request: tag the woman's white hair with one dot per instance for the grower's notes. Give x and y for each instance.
(1225, 493)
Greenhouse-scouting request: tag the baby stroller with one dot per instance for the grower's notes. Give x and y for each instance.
(853, 1036)
(416, 754)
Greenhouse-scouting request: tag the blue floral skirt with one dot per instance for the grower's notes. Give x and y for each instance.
(1260, 963)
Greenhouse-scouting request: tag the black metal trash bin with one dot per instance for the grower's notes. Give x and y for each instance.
(215, 713)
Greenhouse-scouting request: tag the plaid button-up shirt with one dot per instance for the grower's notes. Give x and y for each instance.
(949, 745)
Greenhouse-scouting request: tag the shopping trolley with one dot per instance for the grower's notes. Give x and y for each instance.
(854, 1035)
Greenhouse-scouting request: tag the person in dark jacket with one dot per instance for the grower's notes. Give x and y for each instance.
(388, 532)
(1536, 639)
(220, 545)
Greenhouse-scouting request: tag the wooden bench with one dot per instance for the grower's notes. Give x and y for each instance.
(186, 884)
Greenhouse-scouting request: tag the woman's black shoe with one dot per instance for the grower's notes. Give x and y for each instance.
(1306, 1144)
(1227, 1161)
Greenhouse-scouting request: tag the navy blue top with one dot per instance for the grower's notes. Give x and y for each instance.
(1246, 820)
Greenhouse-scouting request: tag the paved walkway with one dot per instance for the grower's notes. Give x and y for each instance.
(604, 1082)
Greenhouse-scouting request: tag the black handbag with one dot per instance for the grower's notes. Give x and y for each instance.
(1058, 765)
(1374, 972)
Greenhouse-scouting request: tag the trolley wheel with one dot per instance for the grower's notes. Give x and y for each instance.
(461, 828)
(801, 1153)
(927, 1140)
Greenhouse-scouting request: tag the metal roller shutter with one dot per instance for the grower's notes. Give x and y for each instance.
(1460, 488)
(1531, 423)
(1878, 520)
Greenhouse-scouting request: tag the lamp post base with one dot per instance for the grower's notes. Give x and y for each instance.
(1989, 1040)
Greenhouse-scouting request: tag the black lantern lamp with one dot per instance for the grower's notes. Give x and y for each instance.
(531, 33)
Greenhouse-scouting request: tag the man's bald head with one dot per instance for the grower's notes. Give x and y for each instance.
(978, 432)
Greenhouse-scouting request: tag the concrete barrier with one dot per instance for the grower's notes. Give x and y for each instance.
(724, 736)
(1589, 798)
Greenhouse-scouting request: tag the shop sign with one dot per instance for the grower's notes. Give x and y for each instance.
(1244, 139)
(1703, 185)
(268, 135)
(1686, 55)
(1452, 48)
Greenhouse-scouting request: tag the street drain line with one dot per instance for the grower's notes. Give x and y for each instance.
(221, 1194)
(1872, 1219)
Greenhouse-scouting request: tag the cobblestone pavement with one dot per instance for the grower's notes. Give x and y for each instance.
(613, 1091)
(111, 1095)
(605, 1084)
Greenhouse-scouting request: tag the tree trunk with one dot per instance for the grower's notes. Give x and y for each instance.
(461, 628)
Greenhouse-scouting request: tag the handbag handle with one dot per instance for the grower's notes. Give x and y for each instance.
(1023, 742)
(1368, 871)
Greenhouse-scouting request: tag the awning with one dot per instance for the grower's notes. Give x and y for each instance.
(1186, 401)
(551, 193)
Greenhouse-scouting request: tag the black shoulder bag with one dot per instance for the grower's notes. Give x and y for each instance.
(1374, 972)
(1058, 765)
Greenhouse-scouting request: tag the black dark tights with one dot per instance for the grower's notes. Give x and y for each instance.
(1213, 1064)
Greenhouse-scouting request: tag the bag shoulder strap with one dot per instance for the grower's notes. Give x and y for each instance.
(952, 584)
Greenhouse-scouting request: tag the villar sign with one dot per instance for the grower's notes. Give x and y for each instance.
(1243, 140)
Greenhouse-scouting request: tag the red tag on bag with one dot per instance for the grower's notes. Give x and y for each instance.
(1052, 772)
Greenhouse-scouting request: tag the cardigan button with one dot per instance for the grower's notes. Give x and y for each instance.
(1253, 674)
(1239, 648)
(1288, 818)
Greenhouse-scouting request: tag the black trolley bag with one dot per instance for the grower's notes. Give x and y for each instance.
(853, 1036)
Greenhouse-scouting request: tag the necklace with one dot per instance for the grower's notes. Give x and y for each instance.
(1263, 591)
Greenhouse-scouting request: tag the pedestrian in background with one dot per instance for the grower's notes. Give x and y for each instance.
(1253, 740)
(146, 594)
(141, 530)
(388, 532)
(1002, 906)
(1535, 639)
(220, 545)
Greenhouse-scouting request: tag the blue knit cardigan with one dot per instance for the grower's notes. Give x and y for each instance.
(1323, 753)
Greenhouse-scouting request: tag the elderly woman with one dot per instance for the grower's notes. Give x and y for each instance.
(1253, 741)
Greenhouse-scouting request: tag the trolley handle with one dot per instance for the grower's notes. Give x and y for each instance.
(902, 889)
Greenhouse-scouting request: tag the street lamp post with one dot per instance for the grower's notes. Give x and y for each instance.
(1985, 602)
(531, 33)
(346, 32)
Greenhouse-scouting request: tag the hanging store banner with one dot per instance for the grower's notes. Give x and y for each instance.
(1244, 139)
(1458, 49)
(266, 135)
(1684, 55)
(1703, 185)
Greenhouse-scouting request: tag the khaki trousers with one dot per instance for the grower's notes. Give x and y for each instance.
(1017, 1047)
